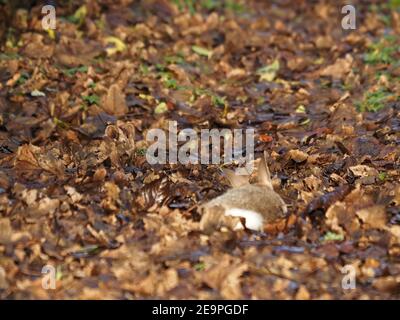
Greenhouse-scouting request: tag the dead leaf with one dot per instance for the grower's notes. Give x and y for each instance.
(76, 52)
(6, 231)
(114, 101)
(373, 217)
(363, 171)
(26, 153)
(225, 276)
(339, 69)
(298, 155)
(389, 284)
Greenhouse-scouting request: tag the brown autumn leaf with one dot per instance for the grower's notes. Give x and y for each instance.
(363, 171)
(298, 155)
(373, 217)
(27, 154)
(36, 49)
(6, 231)
(45, 206)
(156, 283)
(102, 192)
(75, 52)
(50, 162)
(225, 276)
(340, 218)
(30, 156)
(339, 69)
(114, 101)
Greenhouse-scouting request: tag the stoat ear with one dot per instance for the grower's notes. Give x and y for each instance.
(264, 176)
(234, 179)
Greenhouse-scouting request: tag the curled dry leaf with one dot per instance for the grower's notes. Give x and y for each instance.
(298, 155)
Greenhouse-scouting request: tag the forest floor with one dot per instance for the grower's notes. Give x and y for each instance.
(76, 190)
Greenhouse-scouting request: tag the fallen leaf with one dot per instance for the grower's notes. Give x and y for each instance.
(339, 69)
(114, 101)
(225, 276)
(298, 155)
(363, 171)
(373, 217)
(6, 231)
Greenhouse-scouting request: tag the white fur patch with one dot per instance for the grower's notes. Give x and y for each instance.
(254, 220)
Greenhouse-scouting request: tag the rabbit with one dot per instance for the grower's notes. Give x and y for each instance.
(257, 204)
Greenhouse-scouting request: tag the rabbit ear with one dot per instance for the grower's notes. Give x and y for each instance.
(234, 179)
(264, 176)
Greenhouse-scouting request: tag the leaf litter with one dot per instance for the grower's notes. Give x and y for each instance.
(76, 190)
